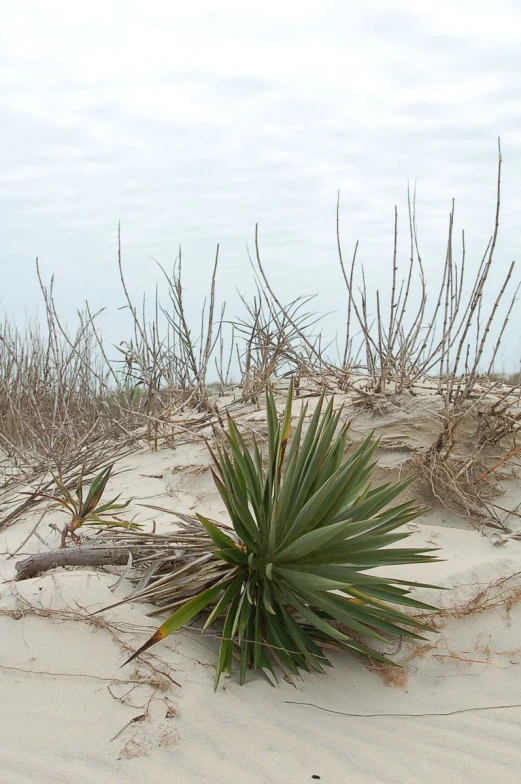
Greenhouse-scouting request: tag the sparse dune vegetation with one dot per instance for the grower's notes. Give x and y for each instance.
(284, 501)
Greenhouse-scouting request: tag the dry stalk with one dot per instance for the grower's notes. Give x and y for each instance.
(410, 347)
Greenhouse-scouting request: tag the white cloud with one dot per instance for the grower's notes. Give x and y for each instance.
(191, 121)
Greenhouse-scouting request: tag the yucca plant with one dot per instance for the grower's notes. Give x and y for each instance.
(306, 528)
(88, 511)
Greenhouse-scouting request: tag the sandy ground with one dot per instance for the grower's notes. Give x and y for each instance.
(70, 714)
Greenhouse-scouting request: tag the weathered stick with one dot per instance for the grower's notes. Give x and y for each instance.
(81, 556)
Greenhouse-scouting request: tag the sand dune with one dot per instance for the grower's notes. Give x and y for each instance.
(70, 714)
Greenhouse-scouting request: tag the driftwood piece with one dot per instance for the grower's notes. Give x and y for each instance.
(77, 556)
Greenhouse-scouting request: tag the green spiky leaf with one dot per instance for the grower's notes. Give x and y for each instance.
(307, 527)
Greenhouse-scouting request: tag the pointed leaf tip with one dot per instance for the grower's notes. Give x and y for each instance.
(156, 637)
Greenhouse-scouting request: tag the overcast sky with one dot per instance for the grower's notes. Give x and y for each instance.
(192, 121)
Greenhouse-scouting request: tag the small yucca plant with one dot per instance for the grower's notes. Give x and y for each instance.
(88, 511)
(302, 540)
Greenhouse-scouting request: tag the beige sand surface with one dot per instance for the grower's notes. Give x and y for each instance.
(66, 707)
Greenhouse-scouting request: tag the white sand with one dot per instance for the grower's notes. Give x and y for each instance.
(66, 705)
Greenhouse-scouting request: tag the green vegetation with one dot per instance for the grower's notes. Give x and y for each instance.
(88, 511)
(306, 528)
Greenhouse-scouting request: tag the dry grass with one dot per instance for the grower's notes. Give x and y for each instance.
(64, 400)
(476, 447)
